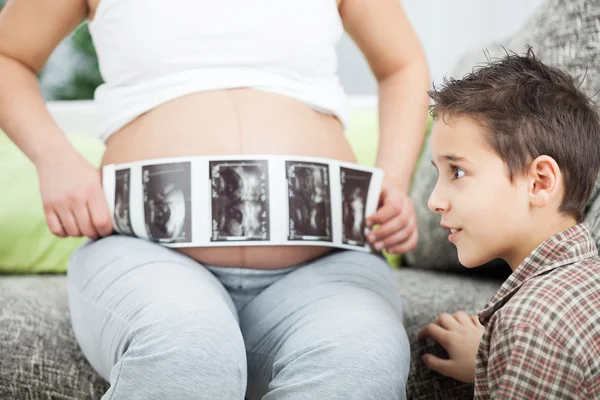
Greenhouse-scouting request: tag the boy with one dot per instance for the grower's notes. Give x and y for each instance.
(517, 149)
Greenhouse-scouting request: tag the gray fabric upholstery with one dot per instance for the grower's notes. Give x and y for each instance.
(40, 359)
(592, 215)
(564, 33)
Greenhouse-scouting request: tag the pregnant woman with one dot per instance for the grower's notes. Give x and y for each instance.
(226, 77)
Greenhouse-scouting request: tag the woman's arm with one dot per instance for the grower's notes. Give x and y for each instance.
(70, 186)
(29, 31)
(382, 31)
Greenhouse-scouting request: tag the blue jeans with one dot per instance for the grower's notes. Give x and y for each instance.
(159, 325)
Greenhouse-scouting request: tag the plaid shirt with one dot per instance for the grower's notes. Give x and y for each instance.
(542, 328)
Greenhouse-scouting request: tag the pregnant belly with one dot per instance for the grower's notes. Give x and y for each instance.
(234, 122)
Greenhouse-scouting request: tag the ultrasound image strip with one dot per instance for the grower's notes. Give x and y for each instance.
(309, 201)
(355, 190)
(239, 200)
(322, 201)
(167, 202)
(122, 213)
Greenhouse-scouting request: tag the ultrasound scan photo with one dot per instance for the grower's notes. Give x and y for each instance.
(309, 201)
(122, 214)
(240, 200)
(355, 189)
(167, 202)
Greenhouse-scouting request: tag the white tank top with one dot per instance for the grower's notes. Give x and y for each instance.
(153, 51)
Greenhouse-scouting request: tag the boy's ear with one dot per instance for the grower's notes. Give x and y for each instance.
(543, 181)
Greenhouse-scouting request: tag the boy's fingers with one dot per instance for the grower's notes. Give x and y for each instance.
(447, 321)
(463, 318)
(437, 364)
(475, 320)
(435, 332)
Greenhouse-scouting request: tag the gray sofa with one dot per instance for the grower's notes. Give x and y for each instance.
(40, 359)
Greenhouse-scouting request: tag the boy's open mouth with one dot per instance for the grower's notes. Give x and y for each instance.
(454, 234)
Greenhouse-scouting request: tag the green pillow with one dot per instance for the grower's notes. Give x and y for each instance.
(26, 244)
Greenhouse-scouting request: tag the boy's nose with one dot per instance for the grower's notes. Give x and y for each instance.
(436, 203)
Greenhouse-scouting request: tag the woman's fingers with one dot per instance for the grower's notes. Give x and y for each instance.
(396, 223)
(407, 245)
(84, 220)
(100, 214)
(54, 222)
(67, 220)
(400, 235)
(384, 214)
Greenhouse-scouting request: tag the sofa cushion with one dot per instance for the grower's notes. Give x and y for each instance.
(564, 33)
(592, 213)
(41, 359)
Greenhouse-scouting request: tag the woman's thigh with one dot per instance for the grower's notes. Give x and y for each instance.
(148, 317)
(330, 329)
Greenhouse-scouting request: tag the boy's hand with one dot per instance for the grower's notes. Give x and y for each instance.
(459, 335)
(397, 232)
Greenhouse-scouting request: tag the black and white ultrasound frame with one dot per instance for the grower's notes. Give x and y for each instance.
(278, 201)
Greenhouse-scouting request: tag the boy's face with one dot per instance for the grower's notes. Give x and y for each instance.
(474, 195)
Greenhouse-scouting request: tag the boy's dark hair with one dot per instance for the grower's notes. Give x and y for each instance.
(530, 109)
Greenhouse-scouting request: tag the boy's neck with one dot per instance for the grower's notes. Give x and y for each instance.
(536, 235)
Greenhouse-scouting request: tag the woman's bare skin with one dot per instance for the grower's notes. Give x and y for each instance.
(239, 121)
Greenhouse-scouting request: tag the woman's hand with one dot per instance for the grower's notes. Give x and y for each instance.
(397, 232)
(73, 198)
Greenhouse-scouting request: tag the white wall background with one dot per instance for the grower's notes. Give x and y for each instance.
(447, 29)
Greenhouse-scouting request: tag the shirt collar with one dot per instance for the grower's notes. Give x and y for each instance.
(569, 246)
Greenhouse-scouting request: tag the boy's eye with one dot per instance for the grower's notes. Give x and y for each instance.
(457, 173)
